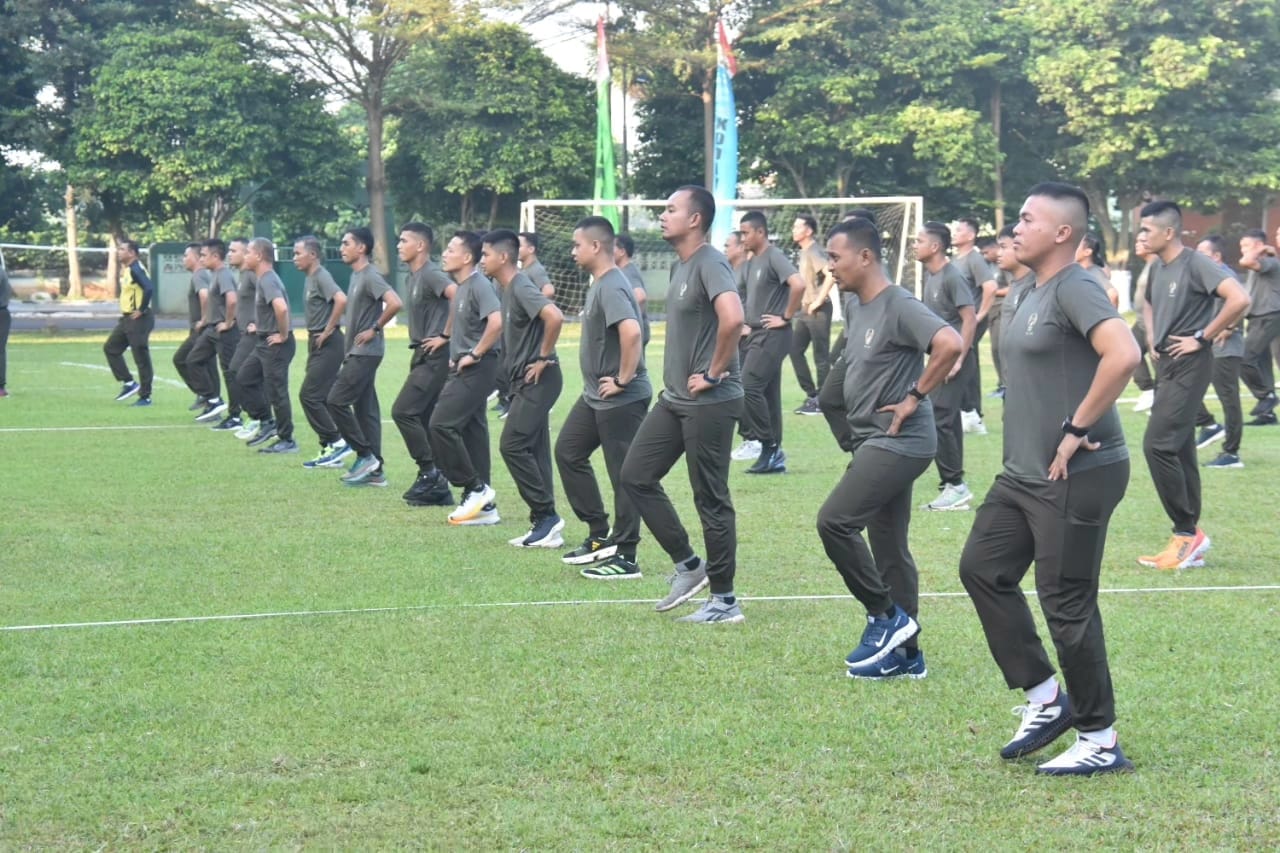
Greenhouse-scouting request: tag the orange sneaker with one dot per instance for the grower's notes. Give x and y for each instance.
(1183, 552)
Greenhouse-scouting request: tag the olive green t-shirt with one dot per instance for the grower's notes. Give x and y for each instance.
(318, 293)
(946, 292)
(767, 289)
(1017, 290)
(224, 282)
(537, 273)
(270, 288)
(522, 325)
(610, 300)
(247, 300)
(428, 305)
(692, 327)
(884, 356)
(199, 281)
(364, 307)
(1264, 287)
(1049, 366)
(975, 270)
(637, 281)
(474, 300)
(1182, 295)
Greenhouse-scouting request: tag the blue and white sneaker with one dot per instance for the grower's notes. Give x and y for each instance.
(1041, 725)
(881, 637)
(361, 469)
(142, 401)
(1210, 434)
(127, 390)
(1086, 758)
(893, 666)
(546, 532)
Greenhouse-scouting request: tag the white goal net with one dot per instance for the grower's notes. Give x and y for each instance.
(553, 220)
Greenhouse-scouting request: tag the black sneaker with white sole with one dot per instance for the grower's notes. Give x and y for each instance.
(592, 550)
(1041, 725)
(615, 568)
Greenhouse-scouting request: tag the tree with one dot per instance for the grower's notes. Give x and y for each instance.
(1158, 100)
(184, 122)
(351, 47)
(511, 126)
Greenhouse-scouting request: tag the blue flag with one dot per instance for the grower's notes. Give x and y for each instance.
(725, 165)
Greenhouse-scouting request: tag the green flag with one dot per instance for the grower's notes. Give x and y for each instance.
(606, 188)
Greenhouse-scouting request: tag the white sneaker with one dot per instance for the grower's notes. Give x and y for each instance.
(488, 514)
(1146, 400)
(973, 425)
(1085, 758)
(952, 498)
(249, 430)
(748, 451)
(473, 504)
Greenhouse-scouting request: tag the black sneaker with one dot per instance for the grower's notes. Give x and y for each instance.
(809, 407)
(266, 432)
(1210, 434)
(1265, 406)
(592, 550)
(429, 490)
(127, 390)
(283, 445)
(231, 422)
(616, 568)
(771, 461)
(1268, 419)
(1041, 725)
(197, 405)
(212, 409)
(1086, 758)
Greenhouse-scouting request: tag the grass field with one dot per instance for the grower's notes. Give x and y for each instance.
(440, 708)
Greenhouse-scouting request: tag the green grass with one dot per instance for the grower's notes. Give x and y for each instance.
(572, 726)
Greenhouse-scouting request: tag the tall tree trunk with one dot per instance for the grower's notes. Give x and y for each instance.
(75, 287)
(116, 226)
(377, 183)
(709, 126)
(1111, 238)
(493, 210)
(997, 108)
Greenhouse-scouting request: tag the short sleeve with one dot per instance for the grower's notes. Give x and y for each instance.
(438, 282)
(376, 285)
(529, 297)
(484, 296)
(1267, 265)
(715, 276)
(617, 307)
(782, 267)
(1084, 304)
(958, 289)
(327, 286)
(203, 279)
(915, 324)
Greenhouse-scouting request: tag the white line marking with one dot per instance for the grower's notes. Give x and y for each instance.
(95, 428)
(175, 383)
(407, 608)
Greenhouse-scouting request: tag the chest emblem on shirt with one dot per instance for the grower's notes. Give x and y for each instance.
(1173, 288)
(684, 285)
(868, 338)
(1031, 323)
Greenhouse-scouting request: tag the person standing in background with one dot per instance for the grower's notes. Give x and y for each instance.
(133, 329)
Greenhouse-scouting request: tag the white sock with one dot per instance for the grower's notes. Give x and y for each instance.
(1103, 737)
(1044, 692)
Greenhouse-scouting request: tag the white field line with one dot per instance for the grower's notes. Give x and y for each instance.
(175, 383)
(408, 608)
(95, 428)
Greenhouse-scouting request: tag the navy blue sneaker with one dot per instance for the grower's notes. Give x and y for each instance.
(881, 637)
(893, 666)
(1209, 435)
(1086, 758)
(142, 401)
(127, 390)
(1041, 725)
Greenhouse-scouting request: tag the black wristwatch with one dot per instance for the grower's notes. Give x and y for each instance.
(1071, 429)
(706, 374)
(1199, 335)
(617, 380)
(917, 393)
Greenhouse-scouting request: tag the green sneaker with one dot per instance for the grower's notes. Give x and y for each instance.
(615, 568)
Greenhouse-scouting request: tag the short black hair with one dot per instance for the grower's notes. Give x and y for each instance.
(196, 246)
(940, 232)
(504, 240)
(531, 239)
(1165, 209)
(132, 244)
(244, 241)
(1218, 244)
(1255, 233)
(860, 233)
(601, 226)
(363, 236)
(984, 241)
(474, 243)
(1063, 192)
(423, 230)
(861, 213)
(703, 203)
(1006, 231)
(265, 249)
(215, 246)
(970, 221)
(756, 220)
(737, 235)
(809, 222)
(1094, 244)
(624, 242)
(312, 244)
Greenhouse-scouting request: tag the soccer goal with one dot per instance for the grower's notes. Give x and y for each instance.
(898, 217)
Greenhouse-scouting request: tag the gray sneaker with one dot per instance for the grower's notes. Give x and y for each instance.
(684, 586)
(713, 610)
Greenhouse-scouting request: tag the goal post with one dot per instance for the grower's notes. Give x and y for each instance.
(897, 217)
